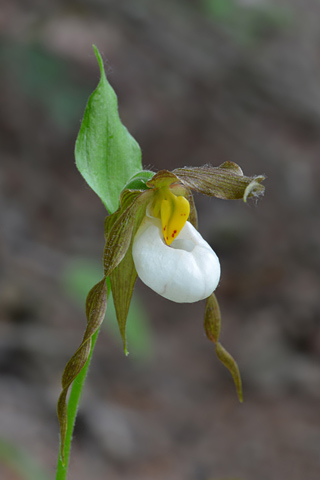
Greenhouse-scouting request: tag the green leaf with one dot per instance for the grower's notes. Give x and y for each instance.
(106, 154)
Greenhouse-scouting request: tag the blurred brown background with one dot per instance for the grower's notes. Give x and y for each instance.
(198, 82)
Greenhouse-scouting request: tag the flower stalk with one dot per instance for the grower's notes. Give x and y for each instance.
(96, 305)
(72, 409)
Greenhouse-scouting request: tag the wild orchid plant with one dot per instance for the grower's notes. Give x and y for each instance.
(151, 232)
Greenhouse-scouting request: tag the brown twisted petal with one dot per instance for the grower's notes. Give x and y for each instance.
(212, 326)
(96, 305)
(226, 181)
(119, 229)
(122, 280)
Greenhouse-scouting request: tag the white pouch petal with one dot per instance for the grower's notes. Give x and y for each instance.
(186, 271)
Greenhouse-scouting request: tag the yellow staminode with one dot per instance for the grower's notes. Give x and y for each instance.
(173, 211)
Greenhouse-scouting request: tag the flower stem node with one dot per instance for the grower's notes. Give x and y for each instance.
(185, 271)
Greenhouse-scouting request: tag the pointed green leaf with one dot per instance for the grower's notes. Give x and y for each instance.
(96, 305)
(106, 154)
(226, 181)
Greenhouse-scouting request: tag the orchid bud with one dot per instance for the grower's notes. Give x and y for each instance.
(186, 271)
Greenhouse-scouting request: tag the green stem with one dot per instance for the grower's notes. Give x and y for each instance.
(73, 403)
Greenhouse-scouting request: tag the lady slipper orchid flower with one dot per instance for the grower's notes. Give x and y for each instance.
(170, 256)
(183, 267)
(154, 233)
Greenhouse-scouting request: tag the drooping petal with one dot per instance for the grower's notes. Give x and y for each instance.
(212, 326)
(122, 280)
(118, 264)
(120, 225)
(185, 272)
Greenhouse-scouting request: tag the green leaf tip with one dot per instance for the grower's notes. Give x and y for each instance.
(99, 58)
(107, 156)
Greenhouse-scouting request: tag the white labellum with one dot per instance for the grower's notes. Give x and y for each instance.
(186, 271)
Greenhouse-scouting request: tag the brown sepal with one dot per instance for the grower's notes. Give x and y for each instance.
(96, 305)
(123, 278)
(119, 227)
(226, 181)
(212, 326)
